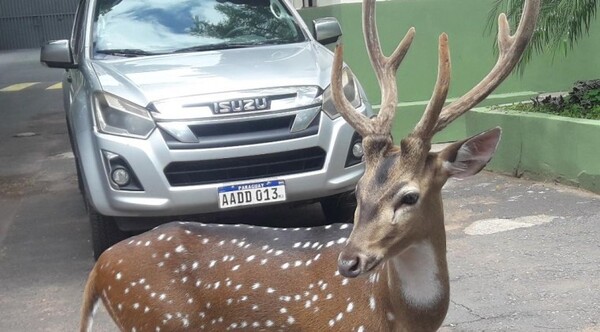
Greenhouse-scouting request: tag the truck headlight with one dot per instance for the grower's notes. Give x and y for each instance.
(117, 116)
(350, 87)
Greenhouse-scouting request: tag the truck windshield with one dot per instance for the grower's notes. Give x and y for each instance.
(130, 28)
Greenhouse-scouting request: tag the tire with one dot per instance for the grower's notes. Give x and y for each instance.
(105, 231)
(339, 208)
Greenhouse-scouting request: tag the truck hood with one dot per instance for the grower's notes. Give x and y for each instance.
(148, 79)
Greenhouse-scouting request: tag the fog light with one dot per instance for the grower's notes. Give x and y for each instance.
(357, 150)
(120, 176)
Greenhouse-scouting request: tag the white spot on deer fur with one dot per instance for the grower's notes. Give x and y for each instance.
(329, 296)
(331, 322)
(328, 227)
(153, 295)
(307, 304)
(180, 248)
(329, 244)
(291, 320)
(339, 316)
(317, 257)
(120, 307)
(118, 276)
(147, 243)
(361, 329)
(205, 241)
(167, 254)
(138, 243)
(306, 245)
(212, 263)
(170, 238)
(162, 297)
(126, 290)
(497, 225)
(270, 290)
(283, 310)
(390, 316)
(297, 297)
(285, 266)
(278, 252)
(256, 286)
(285, 298)
(269, 323)
(160, 264)
(315, 245)
(418, 272)
(344, 226)
(146, 310)
(256, 324)
(372, 303)
(136, 305)
(263, 261)
(237, 288)
(250, 258)
(308, 262)
(195, 265)
(342, 240)
(297, 263)
(345, 281)
(350, 307)
(265, 247)
(147, 287)
(324, 286)
(297, 244)
(185, 322)
(235, 268)
(254, 307)
(315, 297)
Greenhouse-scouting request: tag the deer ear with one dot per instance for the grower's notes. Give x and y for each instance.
(468, 157)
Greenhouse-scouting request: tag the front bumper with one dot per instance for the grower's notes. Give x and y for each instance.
(149, 158)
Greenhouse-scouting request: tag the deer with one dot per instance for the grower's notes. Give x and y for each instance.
(387, 271)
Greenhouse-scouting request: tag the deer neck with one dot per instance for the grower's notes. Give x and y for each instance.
(417, 282)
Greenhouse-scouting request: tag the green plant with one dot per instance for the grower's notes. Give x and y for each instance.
(562, 23)
(583, 101)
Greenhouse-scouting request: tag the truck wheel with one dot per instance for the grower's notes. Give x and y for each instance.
(339, 208)
(105, 231)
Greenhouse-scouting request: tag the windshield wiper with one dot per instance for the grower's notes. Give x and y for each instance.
(224, 46)
(127, 52)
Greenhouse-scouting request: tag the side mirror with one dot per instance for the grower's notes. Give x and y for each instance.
(327, 30)
(57, 54)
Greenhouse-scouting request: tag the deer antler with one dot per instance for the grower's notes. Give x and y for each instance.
(436, 117)
(385, 70)
(511, 49)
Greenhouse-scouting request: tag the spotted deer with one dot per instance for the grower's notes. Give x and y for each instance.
(387, 272)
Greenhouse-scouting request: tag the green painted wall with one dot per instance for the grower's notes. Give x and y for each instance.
(471, 49)
(543, 146)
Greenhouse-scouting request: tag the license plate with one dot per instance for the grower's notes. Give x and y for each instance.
(251, 193)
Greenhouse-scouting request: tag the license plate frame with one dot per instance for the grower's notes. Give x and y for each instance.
(251, 193)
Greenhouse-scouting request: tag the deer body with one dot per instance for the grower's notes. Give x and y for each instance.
(387, 273)
(225, 277)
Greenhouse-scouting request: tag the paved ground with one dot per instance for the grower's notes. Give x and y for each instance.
(523, 256)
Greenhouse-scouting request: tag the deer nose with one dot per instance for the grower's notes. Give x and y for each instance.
(349, 265)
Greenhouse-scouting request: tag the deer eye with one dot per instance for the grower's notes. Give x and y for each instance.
(409, 199)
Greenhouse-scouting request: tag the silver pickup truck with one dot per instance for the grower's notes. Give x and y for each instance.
(186, 107)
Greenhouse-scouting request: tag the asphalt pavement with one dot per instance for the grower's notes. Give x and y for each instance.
(523, 255)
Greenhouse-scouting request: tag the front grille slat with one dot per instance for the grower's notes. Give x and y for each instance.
(245, 168)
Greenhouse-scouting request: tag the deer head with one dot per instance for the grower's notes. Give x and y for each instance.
(399, 196)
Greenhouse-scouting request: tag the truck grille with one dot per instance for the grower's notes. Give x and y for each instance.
(244, 168)
(218, 135)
